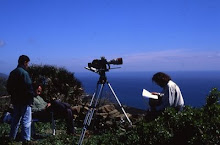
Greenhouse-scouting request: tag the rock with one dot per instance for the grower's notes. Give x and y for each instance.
(76, 109)
(103, 115)
(122, 116)
(106, 108)
(109, 123)
(86, 109)
(114, 113)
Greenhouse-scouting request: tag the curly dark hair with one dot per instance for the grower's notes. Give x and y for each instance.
(161, 77)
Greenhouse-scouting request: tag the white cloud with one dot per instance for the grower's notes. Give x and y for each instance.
(2, 43)
(179, 59)
(166, 60)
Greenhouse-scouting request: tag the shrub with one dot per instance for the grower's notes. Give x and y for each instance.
(192, 126)
(3, 90)
(57, 83)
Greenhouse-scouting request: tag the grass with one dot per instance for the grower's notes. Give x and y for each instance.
(44, 135)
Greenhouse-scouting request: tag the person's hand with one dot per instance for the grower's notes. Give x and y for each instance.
(155, 93)
(48, 105)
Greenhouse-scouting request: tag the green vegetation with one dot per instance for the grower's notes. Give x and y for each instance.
(3, 90)
(44, 135)
(192, 126)
(57, 83)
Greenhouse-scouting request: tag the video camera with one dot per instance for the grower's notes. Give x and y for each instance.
(102, 64)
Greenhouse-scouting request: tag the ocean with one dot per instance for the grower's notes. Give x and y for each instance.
(128, 86)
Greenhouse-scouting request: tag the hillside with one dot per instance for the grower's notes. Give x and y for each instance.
(3, 76)
(192, 126)
(3, 79)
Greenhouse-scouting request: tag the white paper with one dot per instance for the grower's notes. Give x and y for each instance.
(147, 94)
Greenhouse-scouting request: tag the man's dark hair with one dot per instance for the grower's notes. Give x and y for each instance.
(23, 58)
(161, 77)
(36, 85)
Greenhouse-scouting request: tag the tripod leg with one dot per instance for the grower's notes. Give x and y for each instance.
(90, 106)
(90, 112)
(119, 103)
(94, 95)
(96, 102)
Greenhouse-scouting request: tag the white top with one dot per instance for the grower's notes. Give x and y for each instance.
(171, 97)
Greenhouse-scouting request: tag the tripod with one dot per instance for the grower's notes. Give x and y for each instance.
(94, 101)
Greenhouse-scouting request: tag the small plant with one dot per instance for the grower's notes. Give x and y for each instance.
(213, 97)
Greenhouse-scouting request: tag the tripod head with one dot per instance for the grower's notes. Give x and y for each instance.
(101, 66)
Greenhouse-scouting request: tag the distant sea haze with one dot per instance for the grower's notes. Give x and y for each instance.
(128, 86)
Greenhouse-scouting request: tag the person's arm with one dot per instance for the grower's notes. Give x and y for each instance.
(155, 102)
(164, 99)
(10, 84)
(28, 83)
(35, 107)
(39, 104)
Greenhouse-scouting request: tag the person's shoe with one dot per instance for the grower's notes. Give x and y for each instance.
(6, 117)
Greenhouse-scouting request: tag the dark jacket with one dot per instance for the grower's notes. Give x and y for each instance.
(19, 86)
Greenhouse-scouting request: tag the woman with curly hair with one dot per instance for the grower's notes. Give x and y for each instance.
(170, 96)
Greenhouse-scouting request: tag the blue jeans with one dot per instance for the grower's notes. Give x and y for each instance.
(21, 114)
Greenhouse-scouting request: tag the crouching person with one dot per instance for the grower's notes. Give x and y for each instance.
(170, 96)
(41, 110)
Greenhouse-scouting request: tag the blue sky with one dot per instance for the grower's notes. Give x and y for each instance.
(150, 35)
